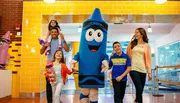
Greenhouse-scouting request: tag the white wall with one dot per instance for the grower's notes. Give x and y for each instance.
(174, 36)
(114, 37)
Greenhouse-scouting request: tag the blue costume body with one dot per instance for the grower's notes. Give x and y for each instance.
(92, 51)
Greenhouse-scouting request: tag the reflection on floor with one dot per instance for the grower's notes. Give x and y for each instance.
(104, 98)
(70, 95)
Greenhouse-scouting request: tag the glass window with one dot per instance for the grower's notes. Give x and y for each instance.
(169, 55)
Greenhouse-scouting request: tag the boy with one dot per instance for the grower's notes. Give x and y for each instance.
(121, 66)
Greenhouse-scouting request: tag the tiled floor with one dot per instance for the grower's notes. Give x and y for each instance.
(104, 98)
(70, 95)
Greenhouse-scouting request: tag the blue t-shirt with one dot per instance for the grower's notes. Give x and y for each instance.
(119, 65)
(54, 47)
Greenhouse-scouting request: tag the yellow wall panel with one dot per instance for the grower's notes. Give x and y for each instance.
(15, 86)
(14, 61)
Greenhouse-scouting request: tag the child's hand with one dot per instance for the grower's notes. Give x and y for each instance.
(72, 64)
(119, 78)
(51, 75)
(74, 69)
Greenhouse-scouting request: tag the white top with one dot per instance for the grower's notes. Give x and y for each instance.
(138, 63)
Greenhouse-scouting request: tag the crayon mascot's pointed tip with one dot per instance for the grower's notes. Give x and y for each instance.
(7, 35)
(95, 18)
(96, 15)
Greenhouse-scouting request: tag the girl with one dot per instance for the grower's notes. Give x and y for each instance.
(61, 72)
(53, 23)
(140, 53)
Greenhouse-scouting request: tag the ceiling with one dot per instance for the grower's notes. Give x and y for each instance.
(128, 28)
(118, 31)
(117, 18)
(124, 30)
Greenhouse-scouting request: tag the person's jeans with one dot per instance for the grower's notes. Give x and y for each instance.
(119, 90)
(139, 82)
(48, 91)
(56, 92)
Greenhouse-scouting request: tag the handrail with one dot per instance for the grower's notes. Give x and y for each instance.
(164, 81)
(176, 66)
(167, 67)
(169, 82)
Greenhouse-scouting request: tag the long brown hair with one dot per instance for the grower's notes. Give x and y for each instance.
(62, 59)
(50, 27)
(134, 40)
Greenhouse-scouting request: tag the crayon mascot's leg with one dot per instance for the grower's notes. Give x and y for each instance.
(84, 96)
(93, 95)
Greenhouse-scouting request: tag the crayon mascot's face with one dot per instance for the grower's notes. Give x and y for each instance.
(94, 36)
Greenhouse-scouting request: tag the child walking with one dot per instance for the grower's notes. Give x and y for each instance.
(121, 66)
(60, 74)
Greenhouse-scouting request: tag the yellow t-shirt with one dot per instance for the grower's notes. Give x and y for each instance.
(138, 63)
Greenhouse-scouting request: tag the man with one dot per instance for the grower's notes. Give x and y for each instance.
(54, 46)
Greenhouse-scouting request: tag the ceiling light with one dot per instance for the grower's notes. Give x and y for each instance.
(33, 50)
(160, 1)
(149, 28)
(49, 1)
(57, 13)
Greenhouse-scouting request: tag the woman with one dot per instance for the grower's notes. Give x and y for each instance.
(140, 53)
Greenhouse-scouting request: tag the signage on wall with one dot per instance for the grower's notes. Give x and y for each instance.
(18, 27)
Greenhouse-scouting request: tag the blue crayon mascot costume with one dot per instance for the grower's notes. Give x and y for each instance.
(92, 57)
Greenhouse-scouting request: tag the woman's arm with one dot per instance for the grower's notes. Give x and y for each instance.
(148, 59)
